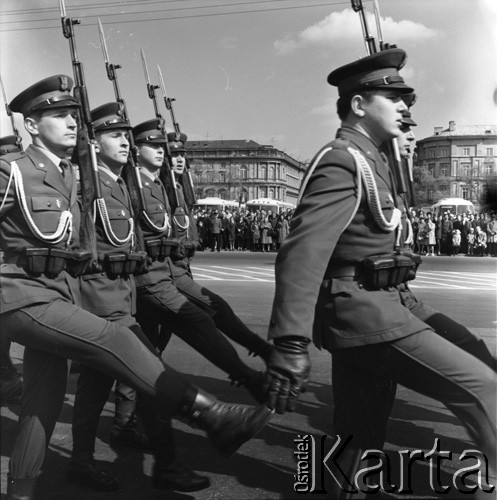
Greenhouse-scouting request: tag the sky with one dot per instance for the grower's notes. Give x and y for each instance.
(246, 69)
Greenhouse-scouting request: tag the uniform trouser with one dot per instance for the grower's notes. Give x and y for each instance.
(92, 392)
(164, 304)
(6, 364)
(59, 330)
(424, 362)
(224, 316)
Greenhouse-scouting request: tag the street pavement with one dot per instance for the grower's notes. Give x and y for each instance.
(463, 288)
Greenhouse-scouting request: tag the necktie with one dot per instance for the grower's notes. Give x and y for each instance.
(124, 190)
(65, 166)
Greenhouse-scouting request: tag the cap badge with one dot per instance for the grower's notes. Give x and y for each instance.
(64, 83)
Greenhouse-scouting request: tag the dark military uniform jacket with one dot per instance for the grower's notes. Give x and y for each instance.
(47, 196)
(182, 266)
(328, 233)
(157, 208)
(114, 300)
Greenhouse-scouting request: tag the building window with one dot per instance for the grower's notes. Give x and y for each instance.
(271, 193)
(465, 170)
(465, 192)
(444, 190)
(431, 168)
(222, 194)
(431, 153)
(490, 151)
(210, 193)
(222, 176)
(263, 192)
(466, 151)
(263, 175)
(488, 169)
(444, 170)
(271, 172)
(244, 172)
(443, 152)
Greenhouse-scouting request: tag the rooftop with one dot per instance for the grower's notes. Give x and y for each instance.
(226, 144)
(458, 130)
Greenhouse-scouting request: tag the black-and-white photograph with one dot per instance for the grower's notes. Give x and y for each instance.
(248, 249)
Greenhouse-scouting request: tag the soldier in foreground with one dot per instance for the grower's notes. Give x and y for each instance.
(40, 293)
(347, 227)
(10, 378)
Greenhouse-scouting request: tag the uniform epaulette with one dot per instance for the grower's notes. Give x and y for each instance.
(340, 143)
(16, 155)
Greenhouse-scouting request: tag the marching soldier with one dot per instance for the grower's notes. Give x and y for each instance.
(111, 295)
(159, 300)
(183, 224)
(10, 378)
(347, 226)
(39, 235)
(443, 325)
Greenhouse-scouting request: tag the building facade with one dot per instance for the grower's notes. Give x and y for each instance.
(459, 159)
(242, 170)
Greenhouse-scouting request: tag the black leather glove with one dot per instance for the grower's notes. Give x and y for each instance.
(288, 368)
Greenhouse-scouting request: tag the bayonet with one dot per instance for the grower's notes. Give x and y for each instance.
(168, 101)
(11, 116)
(136, 190)
(378, 23)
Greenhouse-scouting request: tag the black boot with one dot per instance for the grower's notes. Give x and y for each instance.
(20, 489)
(228, 426)
(88, 474)
(174, 475)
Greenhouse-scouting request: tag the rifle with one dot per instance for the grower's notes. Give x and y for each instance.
(9, 114)
(85, 151)
(392, 149)
(166, 174)
(132, 173)
(188, 189)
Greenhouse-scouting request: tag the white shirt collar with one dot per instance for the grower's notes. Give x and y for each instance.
(51, 156)
(108, 171)
(151, 175)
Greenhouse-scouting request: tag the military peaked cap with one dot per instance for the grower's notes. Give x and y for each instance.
(109, 116)
(377, 71)
(51, 92)
(176, 141)
(407, 120)
(9, 144)
(150, 131)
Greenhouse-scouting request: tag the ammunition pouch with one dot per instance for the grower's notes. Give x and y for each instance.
(183, 251)
(381, 271)
(160, 248)
(52, 261)
(416, 261)
(124, 264)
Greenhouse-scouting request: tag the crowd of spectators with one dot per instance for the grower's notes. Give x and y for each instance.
(450, 234)
(242, 229)
(264, 231)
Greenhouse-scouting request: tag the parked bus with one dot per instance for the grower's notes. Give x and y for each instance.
(267, 204)
(216, 204)
(453, 205)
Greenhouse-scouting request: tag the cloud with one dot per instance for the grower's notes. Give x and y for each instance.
(343, 26)
(228, 42)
